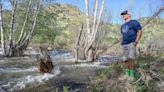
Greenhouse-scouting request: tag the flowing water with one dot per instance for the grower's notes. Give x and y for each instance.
(20, 74)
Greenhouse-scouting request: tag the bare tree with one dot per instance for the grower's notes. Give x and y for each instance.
(24, 23)
(91, 29)
(12, 22)
(78, 43)
(16, 49)
(2, 31)
(92, 34)
(24, 40)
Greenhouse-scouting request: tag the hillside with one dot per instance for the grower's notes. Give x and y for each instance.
(152, 38)
(57, 23)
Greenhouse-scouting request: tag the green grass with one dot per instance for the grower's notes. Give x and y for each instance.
(113, 71)
(65, 89)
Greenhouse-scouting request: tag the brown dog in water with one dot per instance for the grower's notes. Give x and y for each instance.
(44, 61)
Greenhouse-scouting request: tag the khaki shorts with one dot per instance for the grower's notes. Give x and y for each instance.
(129, 51)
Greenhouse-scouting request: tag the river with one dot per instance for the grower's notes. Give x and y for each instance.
(20, 74)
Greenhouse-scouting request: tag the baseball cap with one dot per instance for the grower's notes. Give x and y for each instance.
(125, 12)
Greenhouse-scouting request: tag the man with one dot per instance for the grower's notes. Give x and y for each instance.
(131, 34)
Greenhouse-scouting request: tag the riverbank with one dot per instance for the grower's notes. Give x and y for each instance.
(20, 74)
(150, 74)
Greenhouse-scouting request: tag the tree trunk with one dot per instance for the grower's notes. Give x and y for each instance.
(154, 15)
(77, 44)
(12, 22)
(24, 23)
(2, 31)
(25, 38)
(91, 35)
(95, 15)
(99, 19)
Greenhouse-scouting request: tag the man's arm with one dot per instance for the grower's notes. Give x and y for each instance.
(139, 34)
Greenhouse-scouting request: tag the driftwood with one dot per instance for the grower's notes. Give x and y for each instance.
(45, 64)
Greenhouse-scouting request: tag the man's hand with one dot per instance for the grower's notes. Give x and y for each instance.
(135, 43)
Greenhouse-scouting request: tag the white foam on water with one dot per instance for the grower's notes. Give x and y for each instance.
(96, 65)
(22, 82)
(62, 55)
(15, 70)
(11, 60)
(2, 61)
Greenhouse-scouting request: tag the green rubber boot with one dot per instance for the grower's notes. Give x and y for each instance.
(126, 75)
(127, 72)
(131, 73)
